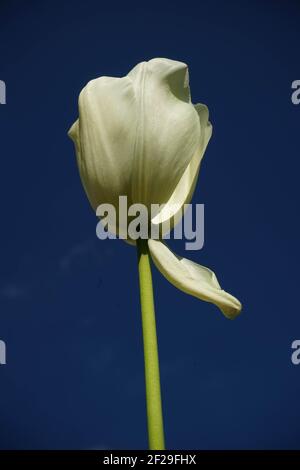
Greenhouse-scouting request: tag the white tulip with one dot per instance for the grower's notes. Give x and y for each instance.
(142, 137)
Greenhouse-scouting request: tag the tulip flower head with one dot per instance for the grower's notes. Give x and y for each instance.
(141, 137)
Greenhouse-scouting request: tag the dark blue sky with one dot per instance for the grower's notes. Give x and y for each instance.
(70, 312)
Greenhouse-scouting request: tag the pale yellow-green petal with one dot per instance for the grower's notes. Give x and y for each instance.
(184, 190)
(168, 131)
(74, 135)
(106, 129)
(193, 279)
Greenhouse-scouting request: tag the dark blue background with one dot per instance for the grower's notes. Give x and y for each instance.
(70, 312)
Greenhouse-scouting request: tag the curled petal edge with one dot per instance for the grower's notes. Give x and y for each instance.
(193, 279)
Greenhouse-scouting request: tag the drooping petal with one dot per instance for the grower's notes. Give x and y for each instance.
(192, 278)
(184, 190)
(168, 131)
(106, 135)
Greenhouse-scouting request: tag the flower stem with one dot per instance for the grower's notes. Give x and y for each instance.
(153, 394)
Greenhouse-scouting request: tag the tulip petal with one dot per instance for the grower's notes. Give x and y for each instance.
(106, 130)
(168, 130)
(192, 278)
(74, 135)
(184, 190)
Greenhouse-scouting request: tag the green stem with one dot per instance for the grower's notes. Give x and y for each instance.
(153, 395)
